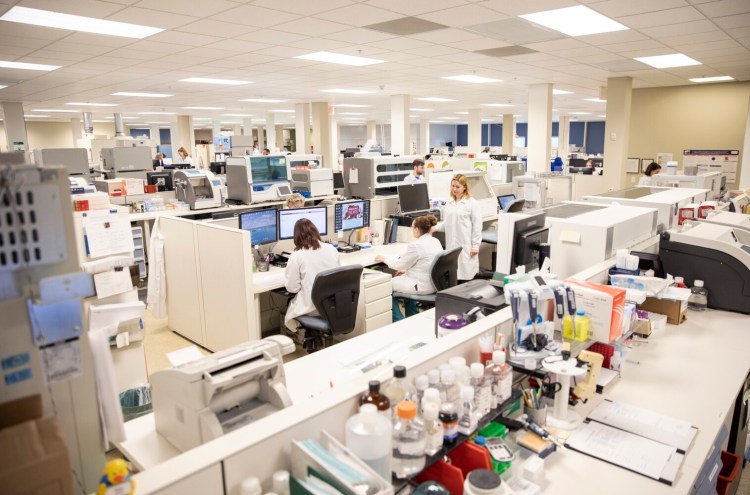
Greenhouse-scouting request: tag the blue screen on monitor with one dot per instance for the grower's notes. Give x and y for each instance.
(318, 215)
(505, 200)
(261, 225)
(351, 215)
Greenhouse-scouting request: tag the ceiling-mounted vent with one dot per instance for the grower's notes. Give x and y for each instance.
(515, 31)
(506, 51)
(406, 26)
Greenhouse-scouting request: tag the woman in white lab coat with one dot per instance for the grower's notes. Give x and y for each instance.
(310, 256)
(649, 176)
(413, 267)
(462, 224)
(183, 157)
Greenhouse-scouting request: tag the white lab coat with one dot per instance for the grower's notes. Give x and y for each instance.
(414, 179)
(301, 269)
(415, 262)
(188, 160)
(462, 224)
(647, 180)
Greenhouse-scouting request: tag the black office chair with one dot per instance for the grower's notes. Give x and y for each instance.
(443, 274)
(335, 294)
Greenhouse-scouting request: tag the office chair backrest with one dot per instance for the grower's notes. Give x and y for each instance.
(444, 269)
(335, 294)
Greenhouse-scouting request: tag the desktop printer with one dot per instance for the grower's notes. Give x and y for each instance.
(198, 188)
(204, 399)
(487, 295)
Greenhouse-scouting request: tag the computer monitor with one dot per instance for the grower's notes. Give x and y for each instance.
(350, 152)
(504, 200)
(528, 234)
(351, 215)
(162, 180)
(413, 197)
(338, 180)
(261, 224)
(318, 215)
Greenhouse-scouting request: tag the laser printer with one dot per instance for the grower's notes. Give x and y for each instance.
(717, 254)
(198, 188)
(204, 399)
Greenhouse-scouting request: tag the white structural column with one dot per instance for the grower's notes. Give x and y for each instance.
(743, 179)
(216, 128)
(617, 131)
(182, 134)
(321, 133)
(237, 129)
(475, 130)
(76, 127)
(247, 126)
(333, 121)
(271, 131)
(372, 131)
(540, 128)
(302, 127)
(155, 134)
(280, 137)
(509, 133)
(400, 126)
(15, 126)
(424, 136)
(563, 134)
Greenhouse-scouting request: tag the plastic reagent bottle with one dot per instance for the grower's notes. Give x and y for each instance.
(433, 377)
(373, 396)
(399, 389)
(448, 387)
(433, 429)
(467, 421)
(458, 364)
(421, 383)
(698, 300)
(449, 417)
(431, 395)
(368, 435)
(250, 486)
(280, 482)
(408, 441)
(481, 389)
(502, 377)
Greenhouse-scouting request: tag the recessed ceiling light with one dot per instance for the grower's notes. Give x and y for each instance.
(157, 113)
(561, 92)
(346, 91)
(437, 122)
(143, 95)
(711, 79)
(2, 86)
(54, 111)
(123, 118)
(84, 104)
(236, 115)
(47, 18)
(25, 66)
(210, 80)
(496, 105)
(338, 58)
(575, 21)
(101, 122)
(421, 109)
(602, 116)
(596, 100)
(471, 78)
(580, 113)
(263, 100)
(350, 105)
(432, 98)
(668, 61)
(203, 108)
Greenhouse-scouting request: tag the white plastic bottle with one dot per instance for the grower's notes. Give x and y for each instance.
(504, 380)
(467, 419)
(448, 387)
(250, 486)
(408, 441)
(421, 383)
(481, 390)
(698, 299)
(433, 429)
(280, 482)
(458, 364)
(368, 435)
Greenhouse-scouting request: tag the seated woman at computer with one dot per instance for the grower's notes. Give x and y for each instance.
(310, 256)
(295, 200)
(183, 158)
(649, 176)
(462, 224)
(413, 267)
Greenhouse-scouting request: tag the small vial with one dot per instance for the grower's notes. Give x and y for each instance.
(698, 299)
(458, 364)
(503, 386)
(250, 486)
(433, 429)
(467, 421)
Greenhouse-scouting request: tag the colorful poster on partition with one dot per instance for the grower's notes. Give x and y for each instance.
(712, 161)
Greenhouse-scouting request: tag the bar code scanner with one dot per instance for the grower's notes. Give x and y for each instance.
(515, 301)
(571, 308)
(533, 302)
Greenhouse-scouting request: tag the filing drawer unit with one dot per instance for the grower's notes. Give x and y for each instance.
(705, 482)
(374, 308)
(139, 253)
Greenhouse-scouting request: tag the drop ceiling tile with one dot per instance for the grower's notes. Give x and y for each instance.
(514, 9)
(99, 40)
(690, 38)
(401, 43)
(182, 38)
(479, 44)
(414, 7)
(556, 46)
(272, 37)
(433, 51)
(635, 46)
(612, 38)
(463, 16)
(234, 45)
(359, 35)
(312, 27)
(359, 15)
(22, 42)
(255, 16)
(219, 28)
(669, 17)
(322, 44)
(58, 55)
(619, 9)
(733, 21)
(725, 8)
(153, 18)
(446, 36)
(26, 31)
(515, 31)
(700, 26)
(251, 59)
(623, 65)
(738, 33)
(284, 52)
(181, 6)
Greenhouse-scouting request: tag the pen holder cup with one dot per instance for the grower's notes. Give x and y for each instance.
(263, 263)
(538, 416)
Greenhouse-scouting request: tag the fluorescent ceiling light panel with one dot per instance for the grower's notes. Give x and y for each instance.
(210, 80)
(203, 108)
(449, 118)
(22, 65)
(157, 113)
(432, 98)
(263, 100)
(470, 78)
(421, 109)
(575, 21)
(338, 58)
(602, 116)
(350, 105)
(711, 79)
(202, 118)
(84, 104)
(596, 100)
(143, 95)
(496, 105)
(346, 91)
(561, 92)
(3, 86)
(54, 111)
(47, 18)
(668, 61)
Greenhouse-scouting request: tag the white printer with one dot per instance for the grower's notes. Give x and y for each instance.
(316, 181)
(204, 399)
(198, 188)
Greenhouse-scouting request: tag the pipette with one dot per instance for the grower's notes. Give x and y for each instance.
(535, 428)
(515, 300)
(559, 302)
(571, 308)
(533, 300)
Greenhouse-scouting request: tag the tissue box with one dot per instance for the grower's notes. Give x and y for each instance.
(672, 303)
(604, 305)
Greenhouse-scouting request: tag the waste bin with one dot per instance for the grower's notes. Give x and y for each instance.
(135, 402)
(729, 476)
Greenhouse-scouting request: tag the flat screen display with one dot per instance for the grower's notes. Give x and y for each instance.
(287, 218)
(261, 224)
(351, 215)
(268, 169)
(505, 200)
(413, 197)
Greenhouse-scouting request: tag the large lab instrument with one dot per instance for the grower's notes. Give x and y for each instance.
(204, 399)
(503, 172)
(315, 181)
(666, 200)
(305, 161)
(439, 186)
(367, 177)
(198, 188)
(736, 220)
(707, 180)
(717, 254)
(257, 179)
(594, 234)
(75, 160)
(543, 189)
(131, 162)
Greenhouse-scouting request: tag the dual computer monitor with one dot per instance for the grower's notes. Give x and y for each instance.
(271, 225)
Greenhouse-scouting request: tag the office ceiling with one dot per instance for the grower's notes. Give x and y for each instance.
(257, 40)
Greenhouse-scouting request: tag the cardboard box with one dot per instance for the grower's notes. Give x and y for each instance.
(672, 302)
(34, 459)
(133, 186)
(113, 187)
(604, 306)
